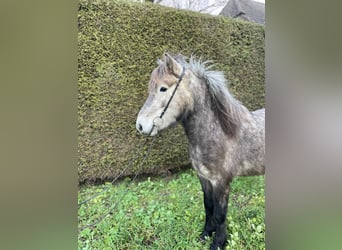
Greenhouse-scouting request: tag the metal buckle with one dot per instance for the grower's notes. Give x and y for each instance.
(158, 121)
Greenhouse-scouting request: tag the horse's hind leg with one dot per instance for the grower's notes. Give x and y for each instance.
(210, 225)
(220, 201)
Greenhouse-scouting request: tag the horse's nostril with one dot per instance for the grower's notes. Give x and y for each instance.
(140, 127)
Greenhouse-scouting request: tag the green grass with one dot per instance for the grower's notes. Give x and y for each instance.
(168, 213)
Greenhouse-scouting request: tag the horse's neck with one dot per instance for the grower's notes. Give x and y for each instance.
(201, 125)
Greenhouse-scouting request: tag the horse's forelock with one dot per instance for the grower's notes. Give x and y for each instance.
(161, 73)
(157, 74)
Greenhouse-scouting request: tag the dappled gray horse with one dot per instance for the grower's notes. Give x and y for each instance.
(225, 139)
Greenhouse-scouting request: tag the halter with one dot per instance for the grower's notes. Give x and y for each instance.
(158, 120)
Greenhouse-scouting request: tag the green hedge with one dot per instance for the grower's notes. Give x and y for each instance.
(119, 43)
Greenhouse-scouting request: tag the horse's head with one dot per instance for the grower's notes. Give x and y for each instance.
(163, 82)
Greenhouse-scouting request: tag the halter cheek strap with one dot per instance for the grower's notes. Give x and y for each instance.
(173, 93)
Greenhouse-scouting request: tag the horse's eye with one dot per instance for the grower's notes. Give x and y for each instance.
(162, 89)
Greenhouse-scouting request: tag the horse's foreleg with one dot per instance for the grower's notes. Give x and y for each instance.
(210, 225)
(220, 201)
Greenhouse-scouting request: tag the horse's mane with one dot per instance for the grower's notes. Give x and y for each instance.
(226, 108)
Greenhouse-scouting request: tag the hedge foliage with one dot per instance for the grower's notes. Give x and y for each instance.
(119, 43)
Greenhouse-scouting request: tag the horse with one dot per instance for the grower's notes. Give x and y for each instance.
(225, 138)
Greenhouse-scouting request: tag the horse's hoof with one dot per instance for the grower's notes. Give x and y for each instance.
(204, 236)
(215, 246)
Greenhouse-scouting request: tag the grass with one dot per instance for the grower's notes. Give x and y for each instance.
(168, 213)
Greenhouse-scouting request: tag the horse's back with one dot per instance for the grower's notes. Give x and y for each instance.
(259, 116)
(252, 147)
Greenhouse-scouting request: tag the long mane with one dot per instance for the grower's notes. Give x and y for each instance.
(226, 108)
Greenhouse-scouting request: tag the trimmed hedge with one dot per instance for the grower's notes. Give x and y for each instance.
(119, 43)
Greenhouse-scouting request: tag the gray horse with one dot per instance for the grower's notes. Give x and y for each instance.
(225, 139)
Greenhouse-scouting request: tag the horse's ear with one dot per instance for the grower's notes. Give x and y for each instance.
(173, 66)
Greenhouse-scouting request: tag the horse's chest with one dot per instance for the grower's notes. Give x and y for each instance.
(202, 170)
(205, 169)
(207, 173)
